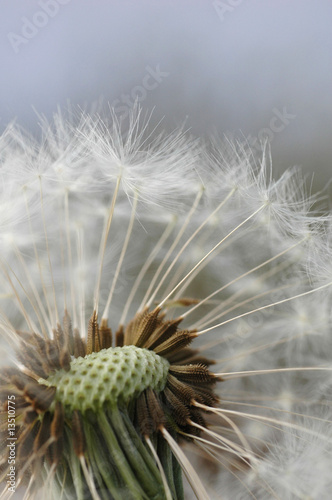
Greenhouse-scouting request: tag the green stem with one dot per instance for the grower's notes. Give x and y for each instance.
(178, 482)
(76, 473)
(152, 484)
(119, 458)
(165, 455)
(101, 462)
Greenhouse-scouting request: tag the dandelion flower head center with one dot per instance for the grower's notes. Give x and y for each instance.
(107, 376)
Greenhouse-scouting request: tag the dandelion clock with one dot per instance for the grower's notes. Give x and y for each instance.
(165, 314)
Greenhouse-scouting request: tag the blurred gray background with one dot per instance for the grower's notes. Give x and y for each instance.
(247, 68)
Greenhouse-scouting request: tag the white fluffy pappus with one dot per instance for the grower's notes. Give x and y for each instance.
(97, 219)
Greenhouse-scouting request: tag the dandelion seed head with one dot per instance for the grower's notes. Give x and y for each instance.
(209, 273)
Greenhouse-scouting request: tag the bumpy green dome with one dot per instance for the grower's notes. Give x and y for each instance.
(110, 375)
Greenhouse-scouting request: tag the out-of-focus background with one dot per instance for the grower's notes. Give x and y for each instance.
(252, 69)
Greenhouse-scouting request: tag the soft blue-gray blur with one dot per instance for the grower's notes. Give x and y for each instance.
(249, 68)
